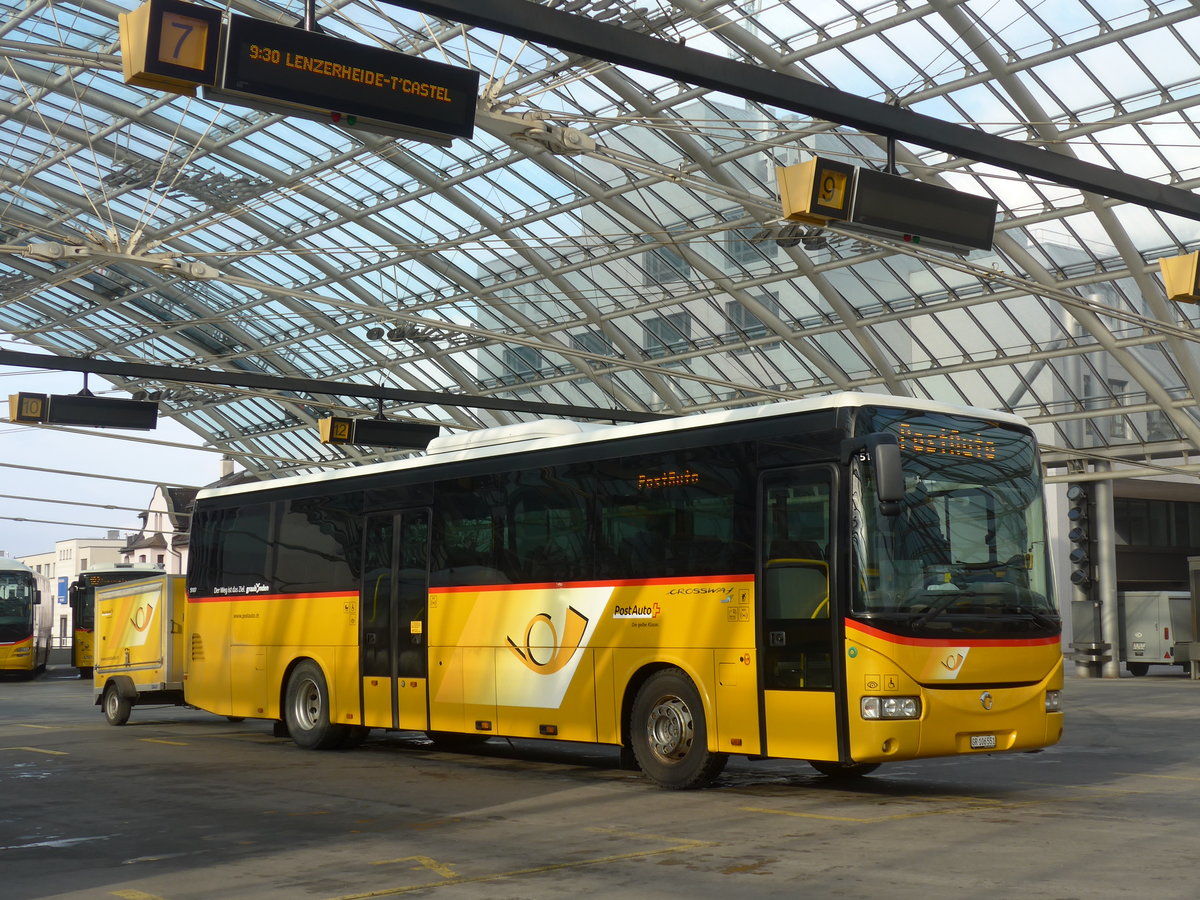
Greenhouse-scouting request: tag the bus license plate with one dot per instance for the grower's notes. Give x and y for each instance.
(983, 741)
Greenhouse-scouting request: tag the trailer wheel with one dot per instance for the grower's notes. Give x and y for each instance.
(669, 733)
(116, 707)
(1137, 668)
(306, 710)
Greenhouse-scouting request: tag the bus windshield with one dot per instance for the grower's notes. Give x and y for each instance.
(16, 606)
(966, 554)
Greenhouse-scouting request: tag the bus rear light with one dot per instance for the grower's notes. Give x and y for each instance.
(891, 707)
(1053, 701)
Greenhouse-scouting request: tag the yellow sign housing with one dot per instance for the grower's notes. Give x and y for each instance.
(1179, 277)
(170, 45)
(816, 191)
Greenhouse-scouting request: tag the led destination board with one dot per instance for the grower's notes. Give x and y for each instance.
(307, 70)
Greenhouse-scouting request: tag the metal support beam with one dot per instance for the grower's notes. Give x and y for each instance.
(1105, 534)
(597, 40)
(187, 375)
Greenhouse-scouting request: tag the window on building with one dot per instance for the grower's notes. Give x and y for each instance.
(523, 363)
(746, 245)
(1118, 425)
(83, 561)
(666, 262)
(1159, 427)
(666, 335)
(592, 342)
(747, 324)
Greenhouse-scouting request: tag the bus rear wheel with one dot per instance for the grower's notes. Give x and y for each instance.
(306, 710)
(116, 707)
(669, 733)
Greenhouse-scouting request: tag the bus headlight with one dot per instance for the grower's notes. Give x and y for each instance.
(1053, 701)
(891, 707)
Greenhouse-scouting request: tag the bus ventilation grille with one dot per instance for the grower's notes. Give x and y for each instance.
(197, 648)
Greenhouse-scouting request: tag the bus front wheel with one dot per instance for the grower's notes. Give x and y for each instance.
(306, 710)
(669, 733)
(116, 707)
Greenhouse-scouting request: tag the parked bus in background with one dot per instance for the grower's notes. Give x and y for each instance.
(26, 621)
(82, 598)
(851, 580)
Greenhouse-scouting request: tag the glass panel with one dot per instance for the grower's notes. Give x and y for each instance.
(967, 552)
(376, 597)
(796, 617)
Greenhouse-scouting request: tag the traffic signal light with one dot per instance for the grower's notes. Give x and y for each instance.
(1079, 533)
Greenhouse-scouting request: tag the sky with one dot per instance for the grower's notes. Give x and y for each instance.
(26, 451)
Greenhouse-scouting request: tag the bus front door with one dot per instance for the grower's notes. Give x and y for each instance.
(795, 619)
(393, 599)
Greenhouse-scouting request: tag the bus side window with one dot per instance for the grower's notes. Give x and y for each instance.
(549, 525)
(470, 534)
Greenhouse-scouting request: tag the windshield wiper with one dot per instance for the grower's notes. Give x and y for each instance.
(940, 606)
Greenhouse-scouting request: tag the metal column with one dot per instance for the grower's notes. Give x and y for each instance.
(1106, 571)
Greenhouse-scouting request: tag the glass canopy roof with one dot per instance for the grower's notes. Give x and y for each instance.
(608, 238)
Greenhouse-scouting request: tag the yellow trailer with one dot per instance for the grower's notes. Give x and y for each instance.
(139, 646)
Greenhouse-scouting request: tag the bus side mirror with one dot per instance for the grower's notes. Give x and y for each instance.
(884, 453)
(37, 597)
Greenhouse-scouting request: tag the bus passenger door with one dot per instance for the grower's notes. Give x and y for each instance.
(393, 597)
(797, 614)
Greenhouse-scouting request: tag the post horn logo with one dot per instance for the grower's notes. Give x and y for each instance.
(560, 654)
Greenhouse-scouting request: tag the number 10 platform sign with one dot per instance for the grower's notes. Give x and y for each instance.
(177, 46)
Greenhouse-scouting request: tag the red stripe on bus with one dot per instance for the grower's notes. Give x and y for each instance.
(867, 630)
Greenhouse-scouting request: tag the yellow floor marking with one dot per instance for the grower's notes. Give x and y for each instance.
(1168, 777)
(160, 741)
(26, 725)
(517, 873)
(446, 870)
(38, 750)
(135, 895)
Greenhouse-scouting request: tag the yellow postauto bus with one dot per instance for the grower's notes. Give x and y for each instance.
(25, 621)
(82, 598)
(851, 581)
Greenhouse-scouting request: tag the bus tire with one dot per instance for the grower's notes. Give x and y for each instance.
(306, 710)
(116, 706)
(843, 770)
(669, 733)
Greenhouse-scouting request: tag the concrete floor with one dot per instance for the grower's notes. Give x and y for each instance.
(180, 804)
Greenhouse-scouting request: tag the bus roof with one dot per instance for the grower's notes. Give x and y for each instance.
(120, 567)
(8, 564)
(507, 439)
